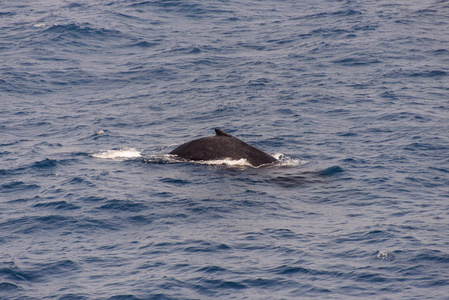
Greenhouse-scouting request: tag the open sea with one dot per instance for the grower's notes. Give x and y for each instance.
(351, 96)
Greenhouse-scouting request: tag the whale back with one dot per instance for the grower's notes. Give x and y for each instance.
(221, 146)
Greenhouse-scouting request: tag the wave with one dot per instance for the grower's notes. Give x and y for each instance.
(78, 31)
(18, 186)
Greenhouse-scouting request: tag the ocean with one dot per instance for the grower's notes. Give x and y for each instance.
(352, 97)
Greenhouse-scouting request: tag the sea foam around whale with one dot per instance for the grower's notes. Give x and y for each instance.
(132, 153)
(119, 154)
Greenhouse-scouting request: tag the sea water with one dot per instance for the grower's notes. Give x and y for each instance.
(351, 96)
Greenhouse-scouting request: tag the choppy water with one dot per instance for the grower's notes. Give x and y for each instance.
(353, 96)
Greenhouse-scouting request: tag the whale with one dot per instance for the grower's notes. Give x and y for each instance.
(222, 146)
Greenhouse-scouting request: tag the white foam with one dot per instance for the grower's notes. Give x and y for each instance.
(226, 162)
(125, 153)
(169, 158)
(164, 158)
(286, 161)
(385, 255)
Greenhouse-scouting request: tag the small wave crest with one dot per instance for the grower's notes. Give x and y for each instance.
(125, 153)
(39, 25)
(385, 255)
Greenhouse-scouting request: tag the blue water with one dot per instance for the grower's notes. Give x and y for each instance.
(353, 96)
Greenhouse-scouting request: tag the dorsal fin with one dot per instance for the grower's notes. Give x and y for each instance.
(221, 133)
